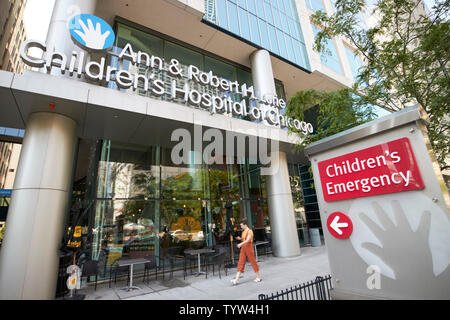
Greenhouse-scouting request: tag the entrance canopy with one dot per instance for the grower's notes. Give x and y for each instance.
(104, 113)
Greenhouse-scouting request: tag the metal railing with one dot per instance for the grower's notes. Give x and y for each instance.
(317, 289)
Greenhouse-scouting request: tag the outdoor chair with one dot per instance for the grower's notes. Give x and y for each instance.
(219, 260)
(119, 271)
(150, 265)
(90, 268)
(170, 255)
(261, 235)
(188, 258)
(207, 256)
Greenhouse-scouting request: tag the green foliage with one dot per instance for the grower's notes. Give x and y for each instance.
(337, 111)
(405, 60)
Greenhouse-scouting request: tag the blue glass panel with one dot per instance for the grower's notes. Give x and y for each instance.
(332, 61)
(268, 11)
(233, 17)
(243, 20)
(276, 15)
(297, 52)
(272, 24)
(291, 9)
(290, 48)
(305, 55)
(300, 33)
(11, 132)
(354, 61)
(293, 29)
(280, 37)
(242, 3)
(315, 5)
(281, 5)
(222, 13)
(273, 39)
(251, 6)
(260, 9)
(284, 22)
(255, 30)
(264, 34)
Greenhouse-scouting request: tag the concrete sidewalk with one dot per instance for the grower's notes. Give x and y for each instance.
(277, 274)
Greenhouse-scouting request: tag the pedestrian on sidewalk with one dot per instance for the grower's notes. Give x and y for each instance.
(247, 252)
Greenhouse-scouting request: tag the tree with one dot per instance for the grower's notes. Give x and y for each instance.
(405, 61)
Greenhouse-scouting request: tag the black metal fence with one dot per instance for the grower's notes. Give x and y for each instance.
(317, 289)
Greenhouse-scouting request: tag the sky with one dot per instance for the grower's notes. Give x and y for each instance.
(37, 16)
(38, 13)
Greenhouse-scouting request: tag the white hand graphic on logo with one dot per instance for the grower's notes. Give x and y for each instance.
(93, 37)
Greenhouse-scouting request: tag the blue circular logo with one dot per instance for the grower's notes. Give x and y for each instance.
(91, 32)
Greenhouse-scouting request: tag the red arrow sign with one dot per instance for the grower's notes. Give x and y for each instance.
(339, 225)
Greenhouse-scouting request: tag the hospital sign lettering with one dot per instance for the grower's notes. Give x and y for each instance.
(385, 168)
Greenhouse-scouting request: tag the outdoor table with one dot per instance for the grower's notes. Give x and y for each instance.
(257, 243)
(198, 252)
(131, 263)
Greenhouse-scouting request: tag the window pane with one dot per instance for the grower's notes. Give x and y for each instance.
(232, 14)
(332, 61)
(251, 6)
(315, 5)
(221, 69)
(255, 30)
(284, 22)
(183, 55)
(291, 9)
(280, 37)
(298, 53)
(293, 29)
(273, 40)
(243, 19)
(260, 9)
(242, 3)
(264, 34)
(299, 31)
(354, 61)
(268, 11)
(140, 40)
(290, 48)
(276, 15)
(280, 5)
(222, 13)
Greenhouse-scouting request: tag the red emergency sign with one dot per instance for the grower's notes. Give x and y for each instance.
(385, 168)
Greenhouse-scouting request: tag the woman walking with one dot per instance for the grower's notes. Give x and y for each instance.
(246, 252)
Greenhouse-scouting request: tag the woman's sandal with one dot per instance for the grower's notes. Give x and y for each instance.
(257, 280)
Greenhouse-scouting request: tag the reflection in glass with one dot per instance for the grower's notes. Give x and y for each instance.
(123, 229)
(183, 224)
(127, 171)
(261, 18)
(145, 204)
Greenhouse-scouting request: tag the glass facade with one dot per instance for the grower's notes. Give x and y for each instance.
(315, 5)
(354, 62)
(272, 25)
(144, 203)
(167, 50)
(330, 57)
(141, 203)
